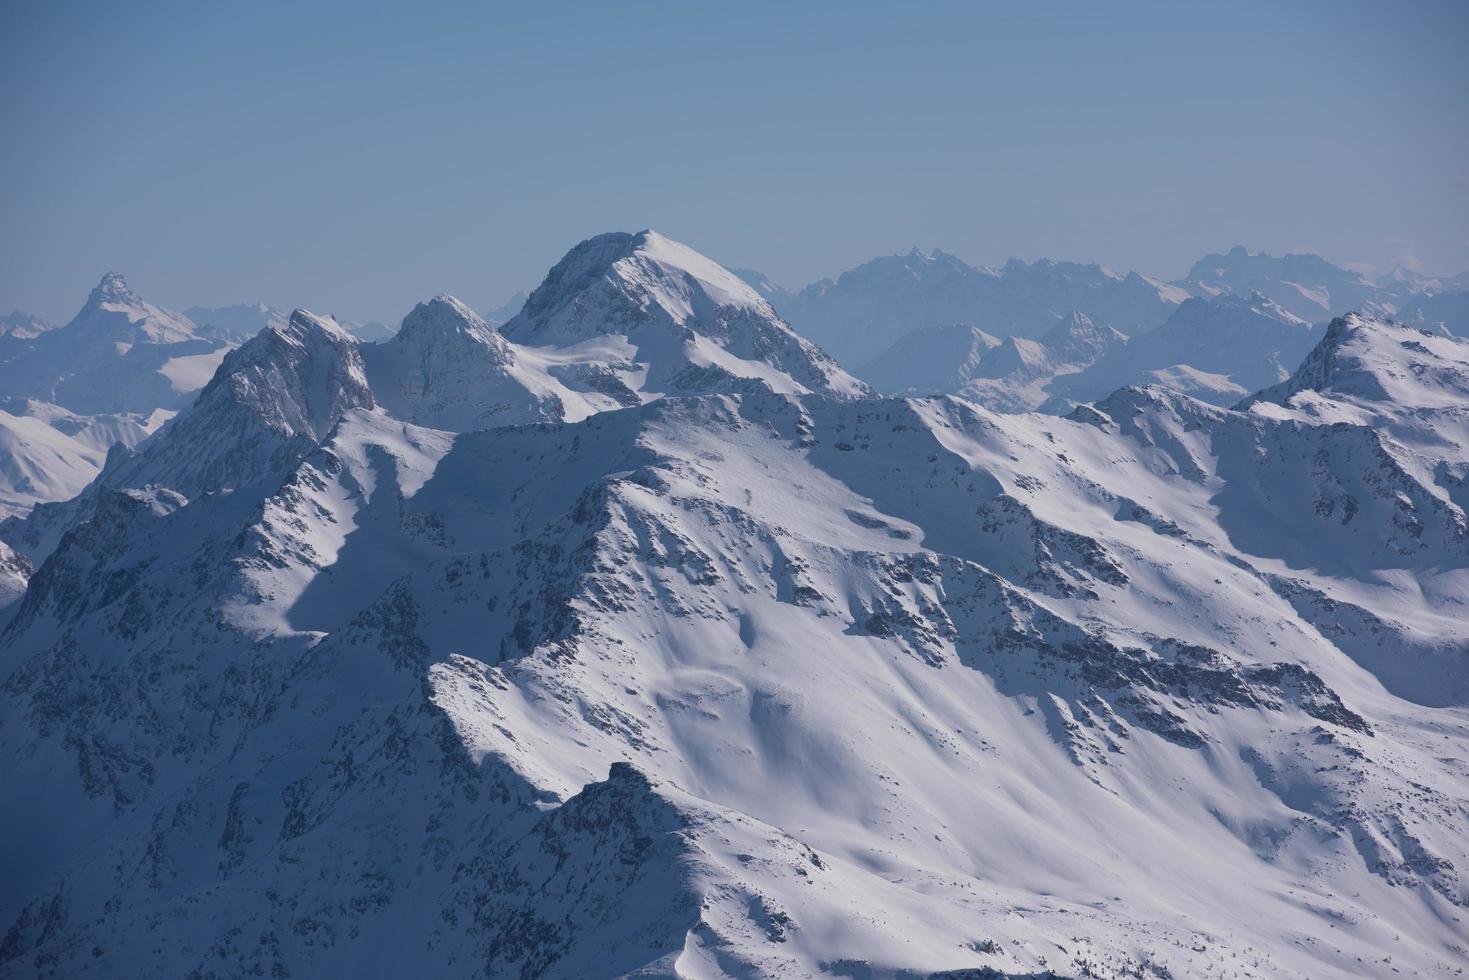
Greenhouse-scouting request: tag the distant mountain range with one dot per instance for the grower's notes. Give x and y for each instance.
(861, 315)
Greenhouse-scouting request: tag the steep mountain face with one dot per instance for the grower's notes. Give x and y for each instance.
(1306, 286)
(754, 683)
(448, 368)
(1407, 386)
(273, 399)
(639, 315)
(871, 307)
(119, 354)
(929, 361)
(1218, 350)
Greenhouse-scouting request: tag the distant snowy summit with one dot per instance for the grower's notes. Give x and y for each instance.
(661, 317)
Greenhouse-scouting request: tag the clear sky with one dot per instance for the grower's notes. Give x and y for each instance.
(354, 157)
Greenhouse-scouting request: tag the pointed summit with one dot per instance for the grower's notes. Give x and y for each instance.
(112, 308)
(271, 399)
(446, 318)
(1075, 339)
(113, 288)
(447, 368)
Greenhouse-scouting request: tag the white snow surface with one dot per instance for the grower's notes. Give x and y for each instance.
(632, 643)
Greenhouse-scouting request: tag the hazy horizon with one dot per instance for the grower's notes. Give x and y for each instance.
(356, 160)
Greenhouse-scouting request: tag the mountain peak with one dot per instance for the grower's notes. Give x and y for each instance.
(613, 282)
(445, 317)
(638, 272)
(1365, 358)
(113, 290)
(1077, 339)
(304, 325)
(692, 321)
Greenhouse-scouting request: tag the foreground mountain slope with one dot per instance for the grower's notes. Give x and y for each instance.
(754, 683)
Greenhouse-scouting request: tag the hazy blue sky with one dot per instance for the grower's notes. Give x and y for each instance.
(355, 157)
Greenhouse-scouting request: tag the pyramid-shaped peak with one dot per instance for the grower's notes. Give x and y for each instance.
(1073, 322)
(612, 282)
(446, 316)
(113, 289)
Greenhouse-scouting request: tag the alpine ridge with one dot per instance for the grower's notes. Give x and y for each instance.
(640, 639)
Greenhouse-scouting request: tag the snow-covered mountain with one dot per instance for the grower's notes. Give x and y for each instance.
(1010, 375)
(1305, 285)
(114, 374)
(1019, 375)
(1218, 350)
(48, 454)
(448, 368)
(871, 307)
(765, 680)
(22, 326)
(631, 316)
(118, 354)
(929, 361)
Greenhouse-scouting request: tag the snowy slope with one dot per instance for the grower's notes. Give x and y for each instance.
(338, 675)
(48, 454)
(1446, 312)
